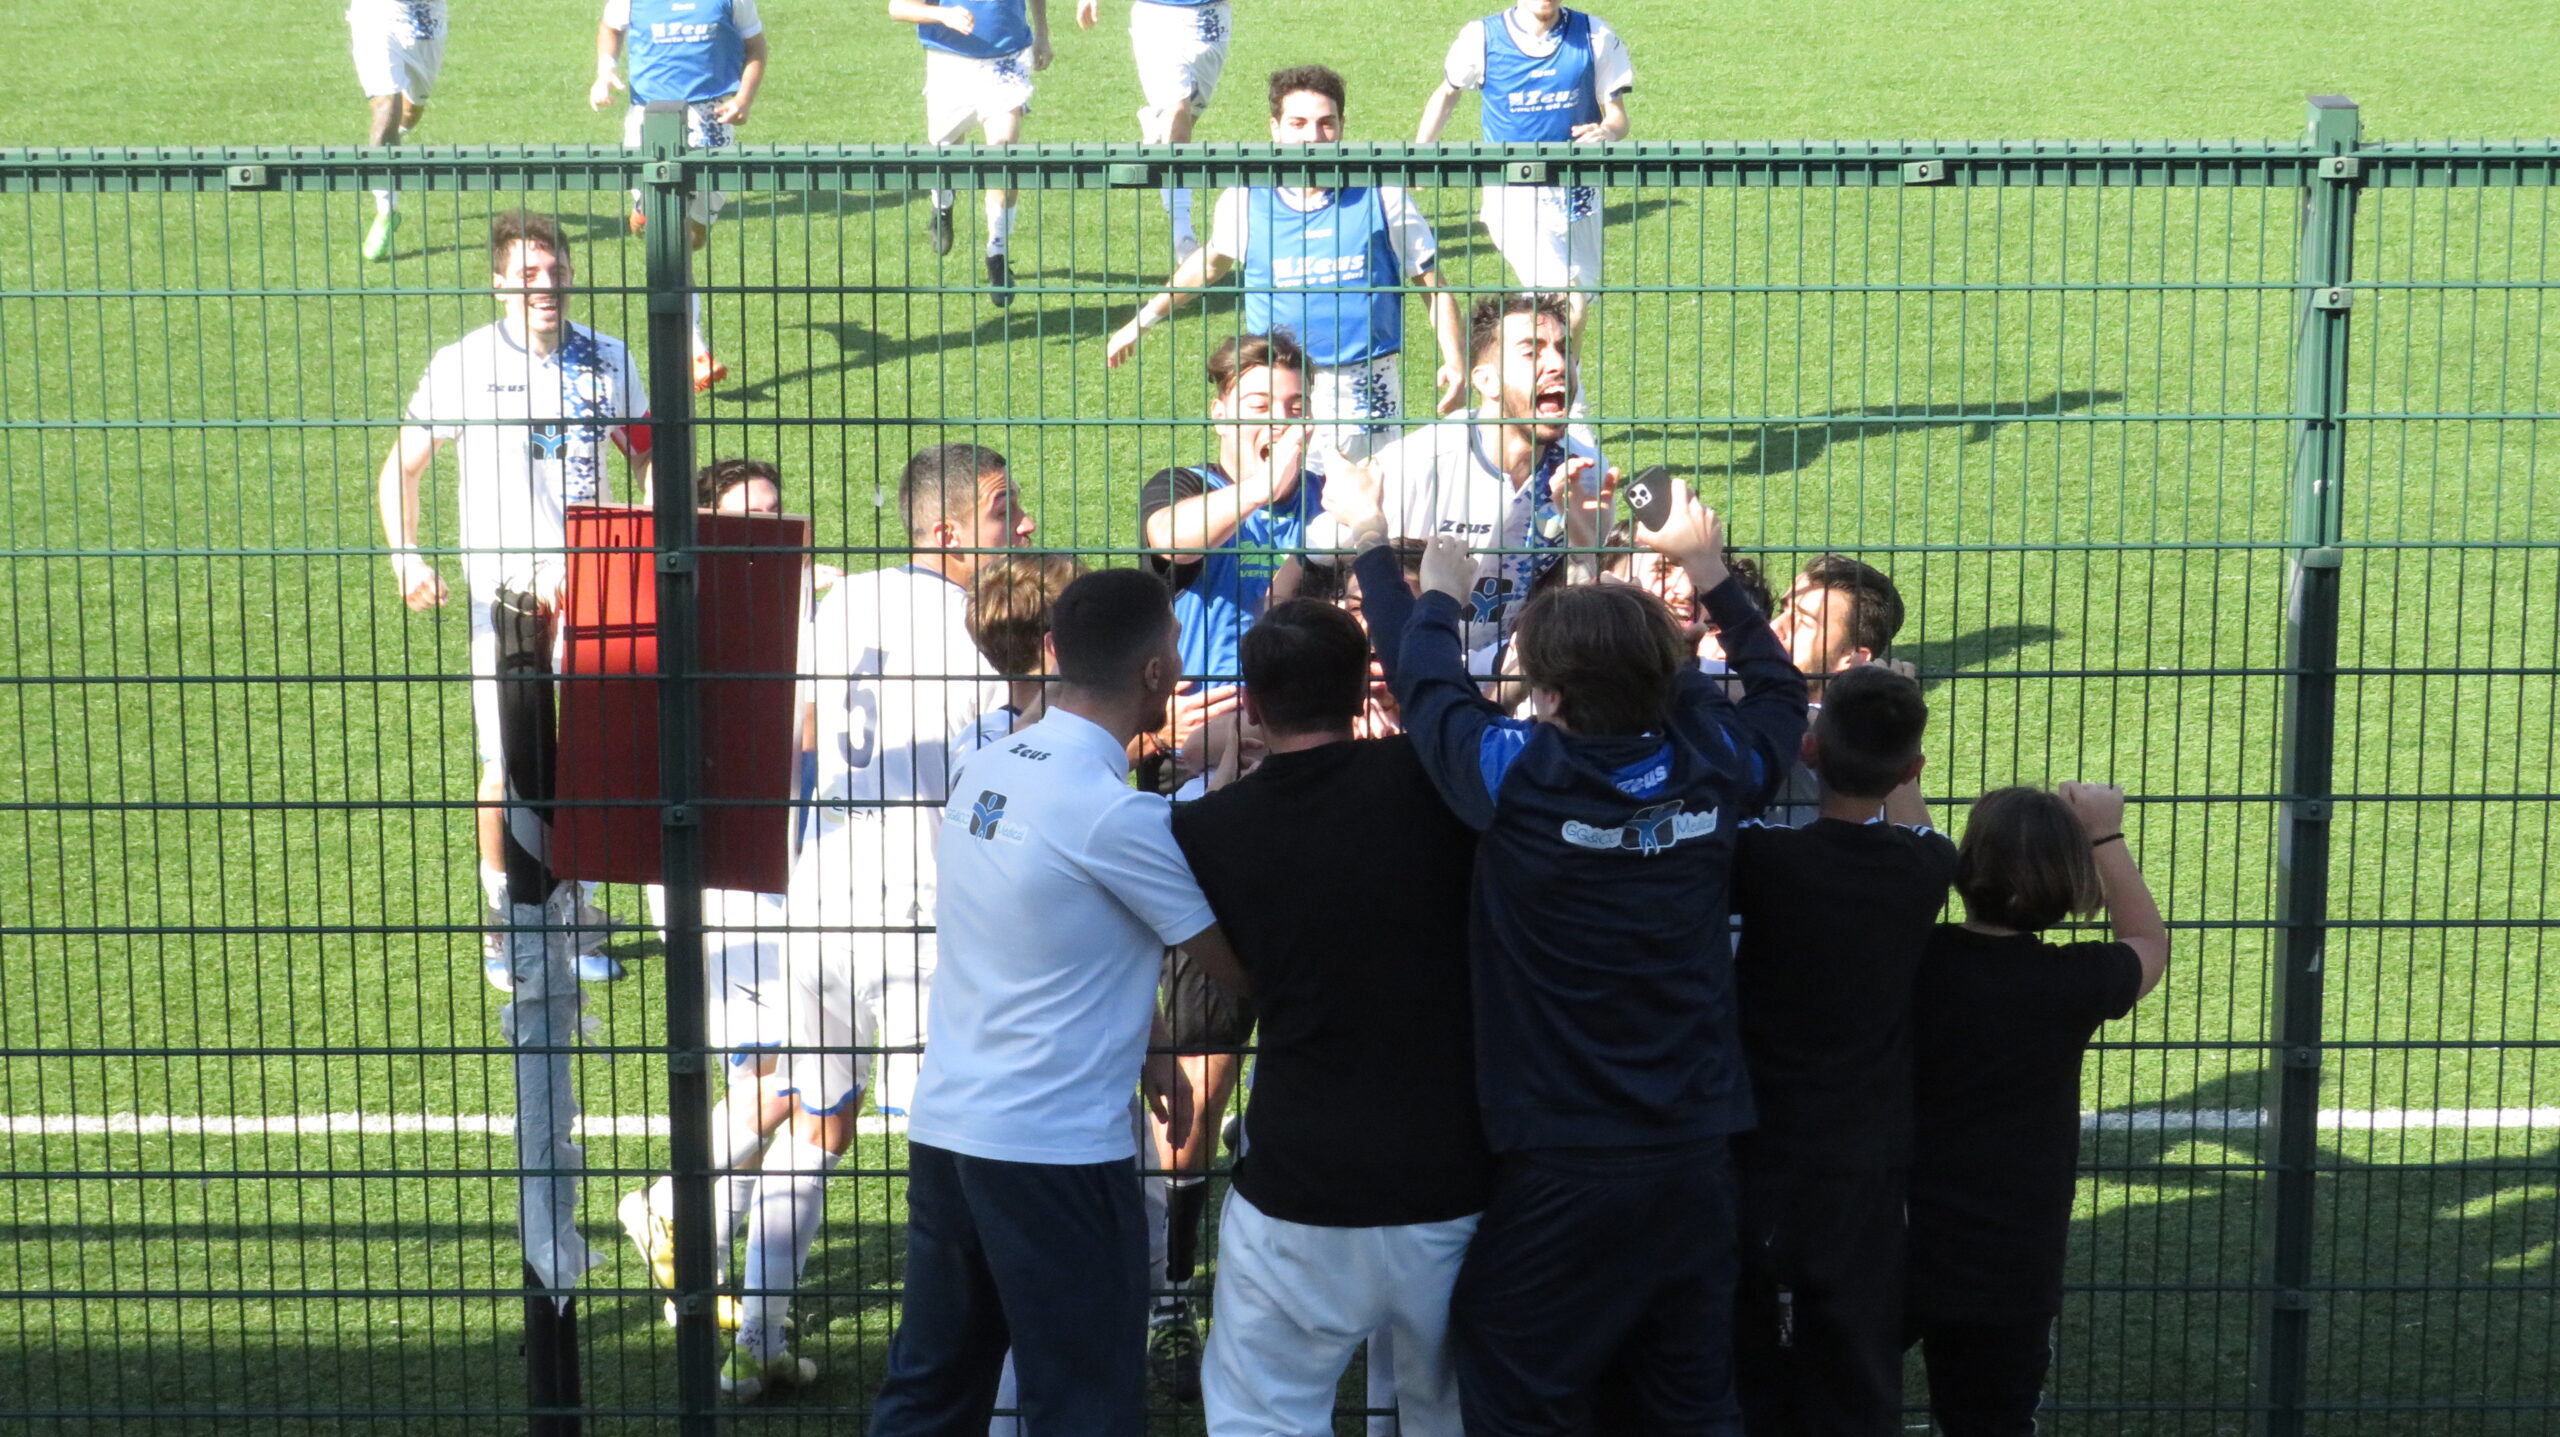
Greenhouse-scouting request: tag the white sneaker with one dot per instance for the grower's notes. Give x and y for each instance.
(746, 1379)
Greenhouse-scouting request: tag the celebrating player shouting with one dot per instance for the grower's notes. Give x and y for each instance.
(1548, 74)
(710, 55)
(979, 56)
(1323, 264)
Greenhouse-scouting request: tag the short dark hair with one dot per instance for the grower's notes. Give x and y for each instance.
(1868, 730)
(2025, 863)
(1484, 322)
(1105, 624)
(526, 226)
(1610, 653)
(1306, 664)
(942, 479)
(1242, 353)
(1875, 605)
(1313, 79)
(1010, 605)
(722, 475)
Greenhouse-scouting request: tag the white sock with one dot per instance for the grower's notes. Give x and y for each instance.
(384, 202)
(999, 224)
(945, 199)
(700, 345)
(493, 885)
(1178, 204)
(737, 1150)
(791, 1200)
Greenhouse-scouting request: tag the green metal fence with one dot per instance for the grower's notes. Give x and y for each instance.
(2209, 469)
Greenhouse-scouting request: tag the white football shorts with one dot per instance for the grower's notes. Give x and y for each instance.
(1181, 52)
(961, 91)
(1356, 407)
(1548, 234)
(702, 132)
(395, 57)
(745, 978)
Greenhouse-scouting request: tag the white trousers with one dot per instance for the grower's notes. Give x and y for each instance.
(1293, 1303)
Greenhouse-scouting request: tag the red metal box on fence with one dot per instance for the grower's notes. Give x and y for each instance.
(606, 826)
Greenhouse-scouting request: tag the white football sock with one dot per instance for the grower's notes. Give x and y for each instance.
(700, 345)
(999, 224)
(493, 885)
(384, 201)
(791, 1200)
(1178, 204)
(945, 199)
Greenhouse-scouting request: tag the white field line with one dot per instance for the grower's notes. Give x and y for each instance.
(2136, 1120)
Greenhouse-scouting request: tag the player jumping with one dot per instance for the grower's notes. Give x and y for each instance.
(1181, 49)
(979, 57)
(399, 47)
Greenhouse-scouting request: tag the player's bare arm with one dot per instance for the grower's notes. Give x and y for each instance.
(1435, 114)
(1038, 10)
(1612, 124)
(1088, 12)
(733, 111)
(421, 587)
(1166, 1086)
(1190, 527)
(608, 79)
(1205, 267)
(1449, 329)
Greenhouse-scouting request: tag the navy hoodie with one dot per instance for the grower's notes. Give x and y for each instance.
(1600, 948)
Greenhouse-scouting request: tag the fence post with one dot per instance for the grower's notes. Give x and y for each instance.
(664, 189)
(2311, 710)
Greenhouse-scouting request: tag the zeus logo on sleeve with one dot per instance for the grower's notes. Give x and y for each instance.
(1648, 832)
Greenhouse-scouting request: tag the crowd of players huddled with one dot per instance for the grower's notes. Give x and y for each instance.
(1573, 925)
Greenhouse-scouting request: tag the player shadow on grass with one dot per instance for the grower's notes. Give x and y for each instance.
(1072, 319)
(1785, 447)
(2164, 1274)
(1938, 659)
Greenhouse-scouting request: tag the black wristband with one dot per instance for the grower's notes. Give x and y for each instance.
(2103, 842)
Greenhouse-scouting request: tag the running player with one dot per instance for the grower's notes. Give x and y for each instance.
(399, 47)
(1517, 482)
(1317, 263)
(1181, 47)
(979, 57)
(753, 1009)
(710, 55)
(1548, 74)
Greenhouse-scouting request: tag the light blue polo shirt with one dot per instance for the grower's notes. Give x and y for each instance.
(1061, 889)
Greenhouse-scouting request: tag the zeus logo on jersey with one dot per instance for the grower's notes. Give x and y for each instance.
(1648, 832)
(1538, 100)
(1320, 271)
(678, 32)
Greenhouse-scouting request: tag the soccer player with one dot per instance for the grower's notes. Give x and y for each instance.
(1181, 48)
(1516, 482)
(532, 403)
(1064, 887)
(708, 54)
(1607, 1065)
(979, 57)
(753, 1007)
(1839, 614)
(1306, 255)
(1825, 1004)
(1548, 74)
(399, 47)
(2001, 1018)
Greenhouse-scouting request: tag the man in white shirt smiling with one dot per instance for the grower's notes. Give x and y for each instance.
(1062, 888)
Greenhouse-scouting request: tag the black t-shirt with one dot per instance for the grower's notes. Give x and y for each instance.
(1341, 880)
(1835, 916)
(1166, 488)
(1998, 1029)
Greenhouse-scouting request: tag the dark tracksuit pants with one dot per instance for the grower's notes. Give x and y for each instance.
(1046, 1259)
(1985, 1378)
(1597, 1296)
(1817, 1329)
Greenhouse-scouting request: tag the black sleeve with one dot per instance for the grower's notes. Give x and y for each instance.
(1751, 854)
(1162, 491)
(2106, 980)
(1388, 602)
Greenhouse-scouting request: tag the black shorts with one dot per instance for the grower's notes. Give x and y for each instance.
(1206, 1016)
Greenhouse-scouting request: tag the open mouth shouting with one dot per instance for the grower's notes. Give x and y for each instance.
(1553, 401)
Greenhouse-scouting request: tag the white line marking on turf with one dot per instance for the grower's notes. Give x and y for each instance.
(299, 1125)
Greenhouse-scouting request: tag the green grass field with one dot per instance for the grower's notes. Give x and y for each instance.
(235, 871)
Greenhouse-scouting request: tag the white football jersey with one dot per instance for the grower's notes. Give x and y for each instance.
(531, 436)
(1445, 479)
(407, 19)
